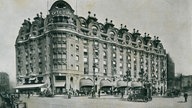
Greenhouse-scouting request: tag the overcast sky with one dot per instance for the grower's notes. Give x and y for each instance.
(170, 20)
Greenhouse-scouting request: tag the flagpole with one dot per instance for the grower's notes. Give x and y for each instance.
(76, 6)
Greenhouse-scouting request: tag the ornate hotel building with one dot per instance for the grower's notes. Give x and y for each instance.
(64, 50)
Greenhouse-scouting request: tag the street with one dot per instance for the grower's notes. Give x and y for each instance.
(104, 102)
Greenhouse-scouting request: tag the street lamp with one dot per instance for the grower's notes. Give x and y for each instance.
(93, 92)
(128, 76)
(141, 75)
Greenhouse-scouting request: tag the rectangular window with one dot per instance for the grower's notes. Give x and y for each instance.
(114, 47)
(59, 66)
(121, 57)
(85, 59)
(96, 60)
(64, 66)
(96, 43)
(114, 55)
(129, 65)
(77, 48)
(77, 58)
(77, 67)
(96, 52)
(96, 70)
(105, 46)
(59, 45)
(121, 65)
(85, 50)
(104, 62)
(64, 56)
(120, 72)
(77, 38)
(121, 49)
(114, 63)
(85, 41)
(59, 55)
(104, 71)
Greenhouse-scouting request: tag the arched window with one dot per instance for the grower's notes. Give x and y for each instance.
(112, 35)
(94, 29)
(139, 41)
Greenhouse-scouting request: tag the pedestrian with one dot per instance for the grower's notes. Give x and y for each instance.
(28, 94)
(99, 93)
(185, 96)
(122, 93)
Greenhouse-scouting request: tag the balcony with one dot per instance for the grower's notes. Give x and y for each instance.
(61, 25)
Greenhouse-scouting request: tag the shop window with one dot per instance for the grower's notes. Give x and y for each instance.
(60, 77)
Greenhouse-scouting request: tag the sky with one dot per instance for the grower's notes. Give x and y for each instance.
(170, 20)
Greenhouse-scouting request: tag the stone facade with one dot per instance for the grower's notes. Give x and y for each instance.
(63, 49)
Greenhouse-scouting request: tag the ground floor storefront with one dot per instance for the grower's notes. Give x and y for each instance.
(63, 83)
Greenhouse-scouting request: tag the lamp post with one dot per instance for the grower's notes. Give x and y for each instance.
(128, 76)
(93, 91)
(141, 75)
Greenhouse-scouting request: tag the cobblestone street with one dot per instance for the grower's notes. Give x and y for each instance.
(104, 102)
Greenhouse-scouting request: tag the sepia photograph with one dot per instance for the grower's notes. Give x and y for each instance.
(96, 54)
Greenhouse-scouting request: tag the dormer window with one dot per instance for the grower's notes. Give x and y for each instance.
(112, 34)
(61, 5)
(94, 29)
(139, 41)
(127, 37)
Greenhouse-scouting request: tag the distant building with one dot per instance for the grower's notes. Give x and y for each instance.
(187, 82)
(64, 51)
(4, 82)
(183, 82)
(170, 72)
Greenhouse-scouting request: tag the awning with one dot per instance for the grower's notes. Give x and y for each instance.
(121, 84)
(86, 82)
(136, 84)
(60, 84)
(33, 78)
(29, 86)
(105, 83)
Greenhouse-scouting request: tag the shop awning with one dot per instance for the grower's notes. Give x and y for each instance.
(60, 84)
(33, 78)
(105, 83)
(30, 86)
(86, 82)
(121, 84)
(136, 84)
